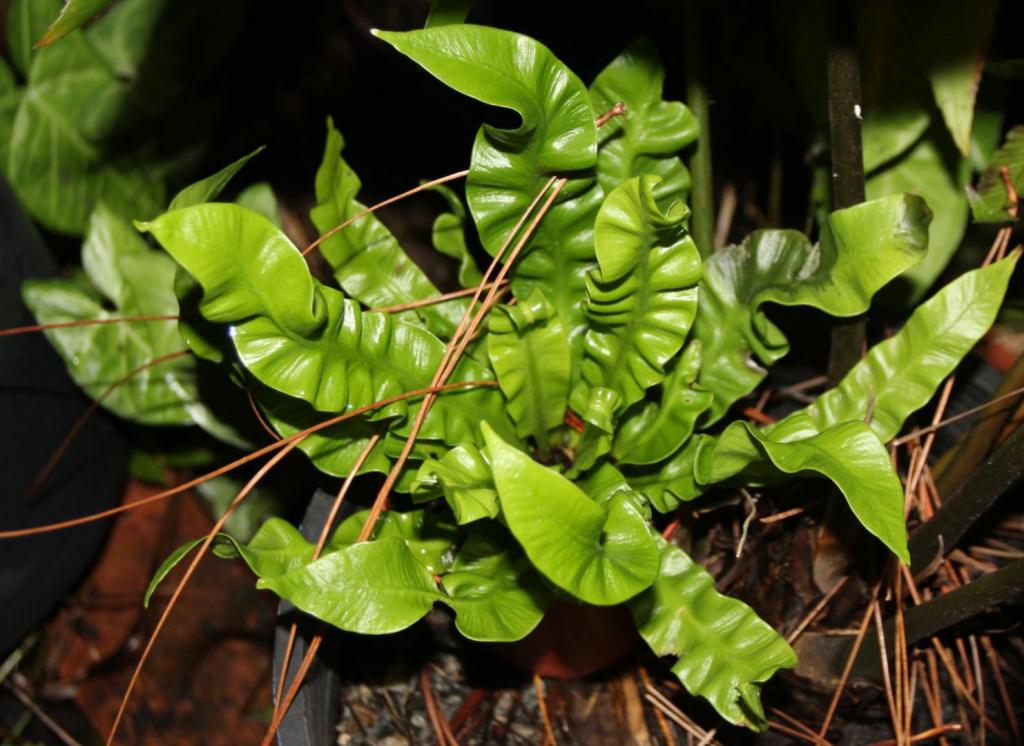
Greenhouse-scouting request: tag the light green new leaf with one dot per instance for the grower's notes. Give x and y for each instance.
(925, 170)
(448, 235)
(646, 139)
(167, 565)
(529, 351)
(862, 248)
(849, 453)
(990, 201)
(643, 298)
(463, 476)
(651, 432)
(276, 549)
(373, 588)
(899, 376)
(725, 650)
(207, 190)
(260, 198)
(136, 281)
(76, 93)
(557, 137)
(75, 13)
(495, 592)
(307, 340)
(366, 258)
(601, 555)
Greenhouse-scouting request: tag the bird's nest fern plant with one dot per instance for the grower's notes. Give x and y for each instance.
(548, 429)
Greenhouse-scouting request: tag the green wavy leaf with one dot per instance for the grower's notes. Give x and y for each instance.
(601, 555)
(646, 139)
(849, 453)
(135, 281)
(493, 588)
(307, 340)
(509, 167)
(724, 650)
(463, 476)
(651, 432)
(366, 258)
(529, 351)
(899, 375)
(861, 250)
(669, 484)
(429, 535)
(643, 298)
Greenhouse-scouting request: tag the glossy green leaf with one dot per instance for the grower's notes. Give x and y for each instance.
(957, 37)
(862, 248)
(990, 201)
(207, 190)
(647, 138)
(276, 549)
(429, 535)
(939, 175)
(373, 588)
(495, 592)
(448, 235)
(650, 431)
(557, 137)
(669, 484)
(76, 93)
(307, 340)
(901, 374)
(366, 258)
(601, 555)
(643, 298)
(333, 450)
(260, 198)
(849, 453)
(529, 351)
(463, 476)
(167, 565)
(136, 281)
(725, 650)
(75, 13)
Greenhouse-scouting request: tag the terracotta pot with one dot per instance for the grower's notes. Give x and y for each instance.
(574, 640)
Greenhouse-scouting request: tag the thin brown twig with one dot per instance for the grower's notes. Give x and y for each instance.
(858, 641)
(542, 704)
(385, 203)
(1004, 694)
(189, 571)
(17, 533)
(464, 293)
(325, 532)
(776, 517)
(666, 729)
(66, 441)
(803, 727)
(891, 699)
(917, 432)
(925, 735)
(443, 733)
(455, 348)
(83, 322)
(259, 415)
(41, 715)
(813, 613)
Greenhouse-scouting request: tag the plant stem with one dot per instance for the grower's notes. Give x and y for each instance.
(848, 336)
(702, 198)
